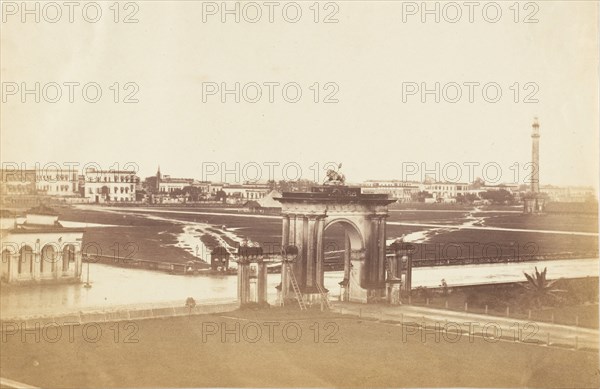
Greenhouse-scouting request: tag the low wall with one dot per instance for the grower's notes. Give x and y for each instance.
(120, 314)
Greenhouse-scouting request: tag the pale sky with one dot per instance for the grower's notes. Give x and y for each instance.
(368, 54)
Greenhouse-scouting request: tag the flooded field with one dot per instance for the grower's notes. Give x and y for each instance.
(179, 235)
(183, 234)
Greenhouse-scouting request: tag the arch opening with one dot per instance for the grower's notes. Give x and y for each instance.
(48, 259)
(342, 241)
(25, 265)
(68, 257)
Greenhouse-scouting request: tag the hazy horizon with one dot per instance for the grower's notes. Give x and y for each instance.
(365, 61)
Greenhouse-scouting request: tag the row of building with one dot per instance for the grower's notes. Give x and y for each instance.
(101, 186)
(449, 192)
(164, 188)
(93, 185)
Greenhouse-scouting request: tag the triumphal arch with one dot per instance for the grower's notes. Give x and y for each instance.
(307, 215)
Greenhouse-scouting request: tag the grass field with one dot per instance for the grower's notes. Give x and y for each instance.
(577, 304)
(328, 351)
(154, 238)
(578, 223)
(135, 237)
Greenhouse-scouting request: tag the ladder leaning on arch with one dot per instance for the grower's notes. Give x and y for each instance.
(324, 297)
(294, 283)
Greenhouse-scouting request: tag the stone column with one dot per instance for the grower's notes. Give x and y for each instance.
(36, 258)
(12, 267)
(56, 263)
(320, 276)
(368, 236)
(382, 249)
(261, 282)
(310, 253)
(345, 284)
(374, 252)
(79, 263)
(357, 290)
(285, 231)
(292, 231)
(243, 282)
(347, 249)
(300, 265)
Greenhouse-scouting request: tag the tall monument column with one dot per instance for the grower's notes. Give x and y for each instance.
(534, 202)
(535, 157)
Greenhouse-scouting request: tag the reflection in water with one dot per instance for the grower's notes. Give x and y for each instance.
(114, 286)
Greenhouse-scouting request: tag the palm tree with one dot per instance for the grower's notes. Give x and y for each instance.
(540, 288)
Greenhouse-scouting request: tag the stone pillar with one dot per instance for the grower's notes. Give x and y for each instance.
(374, 285)
(36, 257)
(243, 282)
(261, 283)
(292, 230)
(56, 265)
(320, 275)
(310, 254)
(12, 267)
(356, 291)
(300, 265)
(347, 249)
(403, 254)
(368, 236)
(347, 257)
(382, 249)
(285, 231)
(393, 296)
(407, 267)
(285, 280)
(78, 264)
(373, 276)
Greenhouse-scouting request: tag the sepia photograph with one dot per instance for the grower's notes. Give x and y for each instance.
(299, 194)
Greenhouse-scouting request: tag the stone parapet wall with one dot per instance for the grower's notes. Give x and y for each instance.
(114, 315)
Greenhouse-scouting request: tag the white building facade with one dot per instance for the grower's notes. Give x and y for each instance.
(102, 186)
(56, 182)
(402, 191)
(245, 192)
(445, 190)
